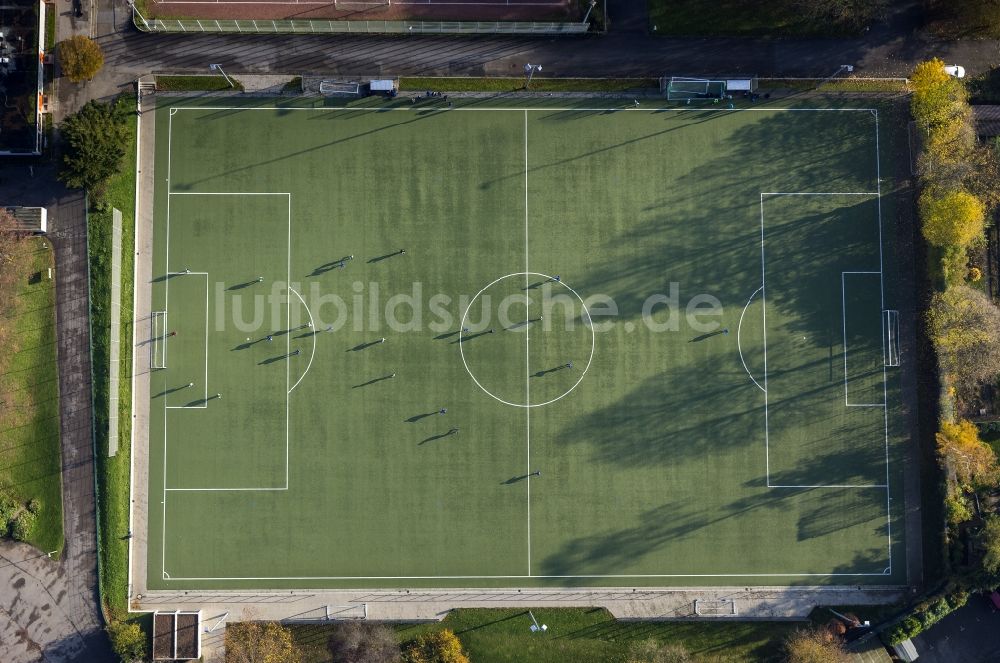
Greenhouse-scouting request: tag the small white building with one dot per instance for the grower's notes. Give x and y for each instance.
(30, 219)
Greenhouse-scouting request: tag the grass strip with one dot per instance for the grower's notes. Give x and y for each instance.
(576, 634)
(484, 84)
(113, 473)
(196, 84)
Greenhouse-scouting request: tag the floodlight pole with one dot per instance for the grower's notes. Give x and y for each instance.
(535, 628)
(218, 68)
(530, 70)
(593, 3)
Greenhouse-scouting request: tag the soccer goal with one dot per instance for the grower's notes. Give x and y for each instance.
(361, 4)
(715, 607)
(679, 88)
(158, 339)
(339, 88)
(891, 319)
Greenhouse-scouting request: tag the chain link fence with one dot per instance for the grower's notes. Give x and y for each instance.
(260, 26)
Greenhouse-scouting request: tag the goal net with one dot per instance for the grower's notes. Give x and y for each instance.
(891, 337)
(360, 4)
(680, 88)
(339, 88)
(715, 607)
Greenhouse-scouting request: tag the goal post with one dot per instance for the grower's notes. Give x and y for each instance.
(361, 4)
(339, 88)
(681, 88)
(891, 319)
(715, 608)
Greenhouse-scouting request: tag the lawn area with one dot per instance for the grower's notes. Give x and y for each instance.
(494, 84)
(30, 462)
(195, 84)
(578, 635)
(113, 473)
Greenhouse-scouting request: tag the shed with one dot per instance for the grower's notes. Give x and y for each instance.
(906, 651)
(30, 219)
(176, 636)
(382, 85)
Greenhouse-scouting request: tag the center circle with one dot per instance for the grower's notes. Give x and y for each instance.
(527, 339)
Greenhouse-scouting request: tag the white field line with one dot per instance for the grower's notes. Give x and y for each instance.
(885, 387)
(489, 577)
(762, 289)
(763, 304)
(527, 334)
(843, 307)
(348, 2)
(174, 109)
(739, 345)
(166, 307)
(312, 326)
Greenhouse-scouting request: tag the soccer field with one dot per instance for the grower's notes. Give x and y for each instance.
(505, 346)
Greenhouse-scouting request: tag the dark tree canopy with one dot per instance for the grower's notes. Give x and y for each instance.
(96, 140)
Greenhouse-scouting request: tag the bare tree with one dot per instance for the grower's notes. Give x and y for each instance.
(357, 642)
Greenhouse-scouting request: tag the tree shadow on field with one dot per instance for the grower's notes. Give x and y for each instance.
(658, 528)
(670, 418)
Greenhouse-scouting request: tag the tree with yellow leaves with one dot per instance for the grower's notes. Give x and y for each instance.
(437, 647)
(964, 325)
(951, 218)
(936, 95)
(971, 459)
(815, 645)
(260, 642)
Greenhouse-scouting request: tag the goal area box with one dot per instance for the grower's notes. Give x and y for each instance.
(679, 88)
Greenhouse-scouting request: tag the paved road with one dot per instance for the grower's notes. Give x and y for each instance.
(50, 611)
(889, 50)
(968, 635)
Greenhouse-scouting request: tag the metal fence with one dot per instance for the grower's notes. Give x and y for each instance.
(359, 27)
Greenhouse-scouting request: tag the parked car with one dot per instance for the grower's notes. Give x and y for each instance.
(956, 70)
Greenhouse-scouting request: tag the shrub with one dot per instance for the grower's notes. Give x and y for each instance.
(975, 275)
(128, 641)
(437, 647)
(815, 645)
(8, 509)
(22, 526)
(355, 642)
(952, 218)
(904, 630)
(80, 58)
(35, 505)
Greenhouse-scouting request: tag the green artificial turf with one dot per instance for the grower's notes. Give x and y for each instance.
(30, 460)
(319, 458)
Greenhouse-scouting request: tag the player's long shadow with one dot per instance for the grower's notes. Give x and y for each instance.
(702, 337)
(466, 339)
(167, 392)
(541, 374)
(384, 257)
(247, 344)
(445, 335)
(514, 480)
(536, 284)
(168, 275)
(362, 346)
(326, 267)
(435, 437)
(271, 360)
(373, 381)
(417, 417)
(240, 286)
